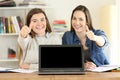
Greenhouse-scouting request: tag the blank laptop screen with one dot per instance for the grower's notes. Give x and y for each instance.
(61, 57)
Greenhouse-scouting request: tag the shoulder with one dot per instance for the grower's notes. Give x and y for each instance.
(53, 35)
(69, 36)
(99, 32)
(24, 39)
(54, 38)
(68, 33)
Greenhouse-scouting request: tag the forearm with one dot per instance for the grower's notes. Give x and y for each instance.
(29, 66)
(23, 41)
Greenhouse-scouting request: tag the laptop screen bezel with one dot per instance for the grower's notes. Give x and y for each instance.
(60, 70)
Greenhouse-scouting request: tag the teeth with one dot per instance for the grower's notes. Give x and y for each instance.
(77, 27)
(39, 27)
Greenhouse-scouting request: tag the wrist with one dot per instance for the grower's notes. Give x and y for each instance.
(95, 38)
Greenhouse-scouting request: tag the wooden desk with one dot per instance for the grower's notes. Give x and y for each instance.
(35, 76)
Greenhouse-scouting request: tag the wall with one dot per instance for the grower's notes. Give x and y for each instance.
(109, 25)
(118, 22)
(62, 9)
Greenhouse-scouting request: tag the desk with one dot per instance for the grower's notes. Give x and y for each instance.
(35, 76)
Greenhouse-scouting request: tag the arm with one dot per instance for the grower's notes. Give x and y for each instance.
(33, 66)
(99, 39)
(66, 38)
(57, 39)
(24, 37)
(23, 42)
(89, 66)
(28, 66)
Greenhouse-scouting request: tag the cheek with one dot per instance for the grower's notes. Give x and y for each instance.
(84, 23)
(73, 23)
(45, 23)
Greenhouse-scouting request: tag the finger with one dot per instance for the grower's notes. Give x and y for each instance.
(90, 66)
(26, 29)
(91, 63)
(87, 29)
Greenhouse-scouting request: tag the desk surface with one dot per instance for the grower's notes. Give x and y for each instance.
(35, 76)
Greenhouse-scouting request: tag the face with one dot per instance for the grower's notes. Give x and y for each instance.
(38, 23)
(79, 21)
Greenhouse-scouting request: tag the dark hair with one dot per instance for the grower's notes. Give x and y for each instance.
(29, 16)
(87, 15)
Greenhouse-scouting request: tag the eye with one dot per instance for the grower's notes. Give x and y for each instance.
(42, 19)
(74, 18)
(81, 19)
(34, 20)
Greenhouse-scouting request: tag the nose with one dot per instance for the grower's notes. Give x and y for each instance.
(39, 22)
(77, 22)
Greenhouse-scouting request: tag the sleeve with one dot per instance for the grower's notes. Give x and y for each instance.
(58, 39)
(23, 42)
(33, 66)
(64, 39)
(54, 38)
(102, 33)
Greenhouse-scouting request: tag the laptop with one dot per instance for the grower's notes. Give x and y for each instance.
(61, 59)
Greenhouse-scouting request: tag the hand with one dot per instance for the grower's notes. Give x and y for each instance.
(90, 34)
(25, 31)
(89, 66)
(24, 66)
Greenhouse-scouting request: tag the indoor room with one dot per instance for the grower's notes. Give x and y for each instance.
(105, 16)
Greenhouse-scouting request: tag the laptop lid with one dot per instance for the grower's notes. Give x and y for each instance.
(61, 59)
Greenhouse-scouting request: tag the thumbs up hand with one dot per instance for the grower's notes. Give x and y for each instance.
(90, 34)
(25, 30)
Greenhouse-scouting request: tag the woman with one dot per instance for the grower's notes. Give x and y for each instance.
(82, 33)
(37, 31)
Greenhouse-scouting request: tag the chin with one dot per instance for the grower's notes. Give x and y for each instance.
(78, 30)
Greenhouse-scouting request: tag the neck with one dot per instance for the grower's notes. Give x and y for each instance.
(81, 35)
(42, 34)
(82, 38)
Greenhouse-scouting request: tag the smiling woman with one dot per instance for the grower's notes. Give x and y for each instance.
(83, 33)
(37, 31)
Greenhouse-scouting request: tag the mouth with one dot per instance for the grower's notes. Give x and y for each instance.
(39, 27)
(77, 27)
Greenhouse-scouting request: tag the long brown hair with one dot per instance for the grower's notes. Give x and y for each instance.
(29, 16)
(87, 15)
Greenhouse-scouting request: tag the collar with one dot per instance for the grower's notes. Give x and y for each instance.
(76, 39)
(46, 35)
